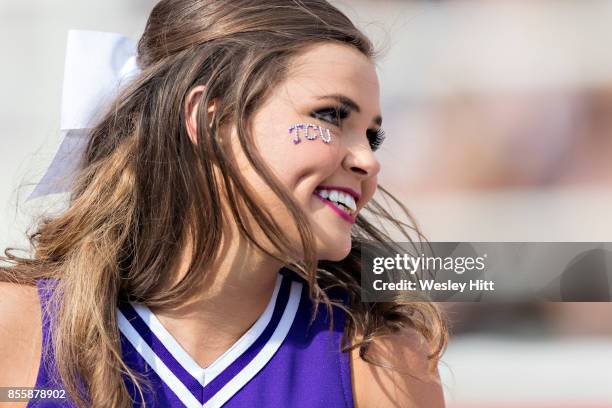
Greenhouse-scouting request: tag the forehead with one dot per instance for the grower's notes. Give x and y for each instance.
(330, 68)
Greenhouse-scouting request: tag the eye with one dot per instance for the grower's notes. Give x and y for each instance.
(333, 114)
(376, 138)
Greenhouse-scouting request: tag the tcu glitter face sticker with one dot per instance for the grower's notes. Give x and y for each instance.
(302, 129)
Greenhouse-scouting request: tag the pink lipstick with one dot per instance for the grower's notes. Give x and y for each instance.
(338, 211)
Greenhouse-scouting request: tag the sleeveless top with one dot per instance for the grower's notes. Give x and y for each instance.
(280, 361)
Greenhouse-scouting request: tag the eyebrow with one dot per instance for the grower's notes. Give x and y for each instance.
(351, 104)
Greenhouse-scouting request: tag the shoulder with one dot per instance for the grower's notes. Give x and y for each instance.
(20, 334)
(411, 383)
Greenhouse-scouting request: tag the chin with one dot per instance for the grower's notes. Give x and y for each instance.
(337, 251)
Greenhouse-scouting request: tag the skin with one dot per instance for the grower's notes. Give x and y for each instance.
(347, 161)
(240, 284)
(20, 337)
(236, 288)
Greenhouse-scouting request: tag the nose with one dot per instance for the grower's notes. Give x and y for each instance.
(360, 160)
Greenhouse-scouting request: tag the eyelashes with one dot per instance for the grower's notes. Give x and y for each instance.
(333, 115)
(376, 138)
(336, 114)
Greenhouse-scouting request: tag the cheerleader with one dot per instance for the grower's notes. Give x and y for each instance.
(217, 172)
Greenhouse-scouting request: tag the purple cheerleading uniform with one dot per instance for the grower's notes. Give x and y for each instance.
(279, 362)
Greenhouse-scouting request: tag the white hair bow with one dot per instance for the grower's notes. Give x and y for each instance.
(98, 64)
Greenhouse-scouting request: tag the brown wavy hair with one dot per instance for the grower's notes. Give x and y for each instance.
(137, 202)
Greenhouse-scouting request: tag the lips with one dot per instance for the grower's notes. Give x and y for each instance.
(349, 218)
(342, 200)
(346, 190)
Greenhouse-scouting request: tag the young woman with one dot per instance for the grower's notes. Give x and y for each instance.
(209, 255)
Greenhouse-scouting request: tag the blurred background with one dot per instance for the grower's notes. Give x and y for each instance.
(499, 122)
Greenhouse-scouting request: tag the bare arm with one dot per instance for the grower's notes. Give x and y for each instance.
(20, 335)
(410, 384)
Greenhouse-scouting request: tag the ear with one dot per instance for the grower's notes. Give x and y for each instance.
(191, 112)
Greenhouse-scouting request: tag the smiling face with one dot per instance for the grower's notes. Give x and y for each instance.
(333, 86)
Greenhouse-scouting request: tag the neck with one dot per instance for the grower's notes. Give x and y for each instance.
(233, 294)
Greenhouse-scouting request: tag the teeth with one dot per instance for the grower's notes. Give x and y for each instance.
(333, 196)
(337, 197)
(350, 203)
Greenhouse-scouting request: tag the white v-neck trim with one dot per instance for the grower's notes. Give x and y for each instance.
(206, 375)
(265, 354)
(241, 378)
(156, 363)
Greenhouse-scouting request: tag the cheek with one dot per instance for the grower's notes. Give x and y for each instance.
(299, 167)
(292, 163)
(369, 188)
